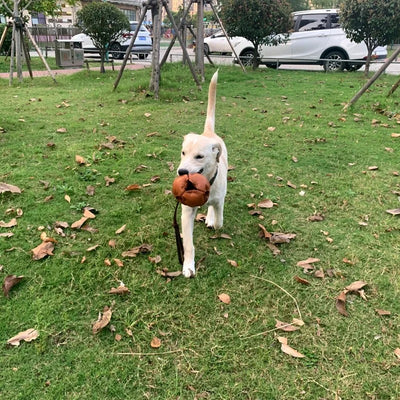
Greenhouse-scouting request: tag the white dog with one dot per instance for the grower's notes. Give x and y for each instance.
(205, 154)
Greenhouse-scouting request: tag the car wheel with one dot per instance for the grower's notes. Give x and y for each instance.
(116, 51)
(206, 49)
(353, 67)
(247, 58)
(272, 65)
(334, 61)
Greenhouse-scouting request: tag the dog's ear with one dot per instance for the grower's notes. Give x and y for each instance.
(217, 150)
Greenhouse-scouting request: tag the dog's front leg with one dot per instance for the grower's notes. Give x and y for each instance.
(188, 216)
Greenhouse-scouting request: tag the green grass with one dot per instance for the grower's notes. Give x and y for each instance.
(209, 349)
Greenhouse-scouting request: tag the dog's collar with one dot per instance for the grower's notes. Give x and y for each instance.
(213, 178)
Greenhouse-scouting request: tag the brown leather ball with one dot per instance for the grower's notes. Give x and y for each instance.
(191, 190)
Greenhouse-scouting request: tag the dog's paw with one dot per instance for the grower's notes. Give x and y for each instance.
(188, 270)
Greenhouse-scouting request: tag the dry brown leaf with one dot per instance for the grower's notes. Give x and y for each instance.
(88, 214)
(109, 180)
(397, 353)
(112, 243)
(279, 237)
(233, 263)
(155, 260)
(118, 337)
(383, 313)
(107, 262)
(44, 249)
(27, 336)
(355, 286)
(155, 343)
(90, 190)
(103, 320)
(168, 274)
(266, 203)
(286, 327)
(80, 160)
(9, 282)
(61, 130)
(67, 198)
(120, 230)
(13, 222)
(287, 349)
(78, 224)
(119, 290)
(341, 304)
(310, 260)
(118, 262)
(225, 298)
(144, 248)
(133, 187)
(92, 248)
(319, 274)
(265, 233)
(301, 280)
(395, 211)
(6, 187)
(275, 251)
(316, 218)
(6, 234)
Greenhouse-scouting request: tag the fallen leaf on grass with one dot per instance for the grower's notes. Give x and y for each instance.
(44, 249)
(6, 234)
(266, 203)
(397, 352)
(109, 180)
(5, 187)
(301, 280)
(383, 313)
(78, 224)
(119, 290)
(12, 223)
(67, 198)
(287, 349)
(133, 187)
(80, 160)
(143, 248)
(233, 263)
(88, 214)
(395, 211)
(118, 262)
(92, 248)
(341, 304)
(355, 286)
(120, 230)
(9, 282)
(316, 218)
(279, 237)
(90, 190)
(286, 327)
(27, 336)
(167, 274)
(155, 343)
(103, 320)
(225, 298)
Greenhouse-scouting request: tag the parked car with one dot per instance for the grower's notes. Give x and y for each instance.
(316, 38)
(142, 47)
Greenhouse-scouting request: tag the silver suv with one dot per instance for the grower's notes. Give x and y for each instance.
(316, 38)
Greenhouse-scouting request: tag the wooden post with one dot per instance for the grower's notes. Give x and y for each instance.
(155, 61)
(129, 49)
(40, 55)
(200, 40)
(373, 79)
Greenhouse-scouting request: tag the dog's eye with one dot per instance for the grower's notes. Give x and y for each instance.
(183, 153)
(199, 157)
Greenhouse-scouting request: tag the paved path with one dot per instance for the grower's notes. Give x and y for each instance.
(69, 71)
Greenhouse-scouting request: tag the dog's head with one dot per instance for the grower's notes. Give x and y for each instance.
(200, 154)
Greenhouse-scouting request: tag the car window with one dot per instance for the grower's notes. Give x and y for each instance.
(142, 28)
(313, 22)
(335, 21)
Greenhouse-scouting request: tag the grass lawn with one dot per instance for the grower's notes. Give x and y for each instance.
(290, 142)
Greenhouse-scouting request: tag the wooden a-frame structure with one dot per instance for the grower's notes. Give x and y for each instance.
(18, 43)
(156, 7)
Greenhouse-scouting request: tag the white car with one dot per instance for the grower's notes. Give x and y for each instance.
(142, 47)
(316, 38)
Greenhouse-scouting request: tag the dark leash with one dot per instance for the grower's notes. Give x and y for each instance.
(179, 244)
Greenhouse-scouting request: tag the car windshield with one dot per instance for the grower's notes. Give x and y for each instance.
(142, 28)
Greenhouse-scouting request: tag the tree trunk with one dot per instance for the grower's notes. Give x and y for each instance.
(368, 62)
(155, 61)
(102, 58)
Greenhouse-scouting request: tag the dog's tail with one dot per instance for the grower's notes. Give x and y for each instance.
(212, 98)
